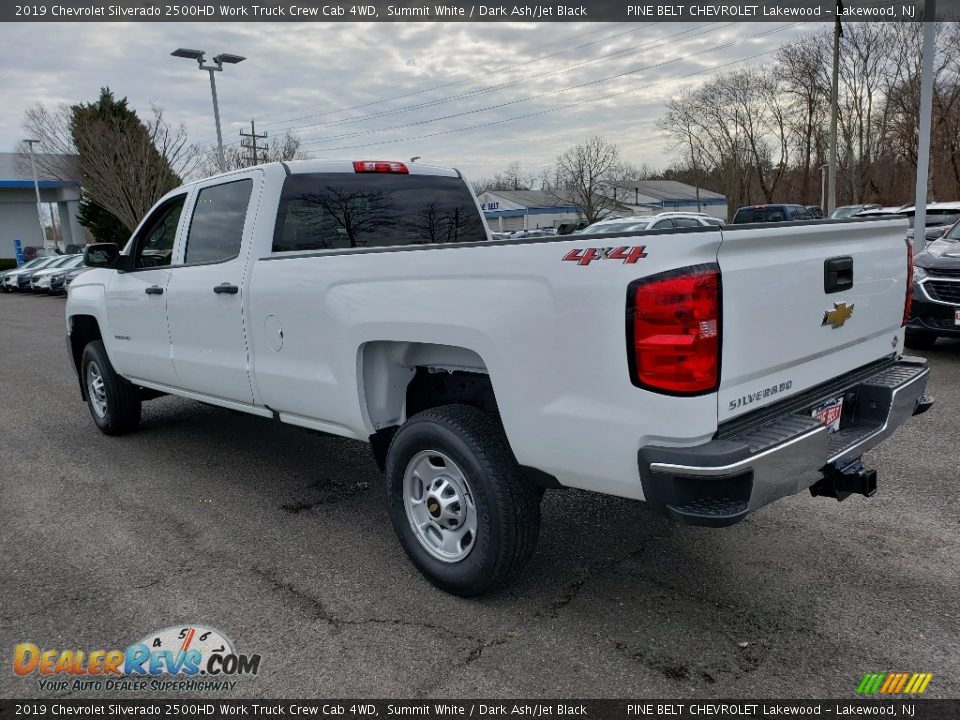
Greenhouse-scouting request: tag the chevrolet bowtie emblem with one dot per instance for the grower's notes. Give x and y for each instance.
(838, 316)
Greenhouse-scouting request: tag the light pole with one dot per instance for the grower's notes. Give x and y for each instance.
(218, 60)
(36, 189)
(823, 191)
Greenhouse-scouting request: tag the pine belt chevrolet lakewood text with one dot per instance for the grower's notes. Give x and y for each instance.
(708, 371)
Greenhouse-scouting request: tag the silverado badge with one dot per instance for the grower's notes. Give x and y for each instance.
(838, 316)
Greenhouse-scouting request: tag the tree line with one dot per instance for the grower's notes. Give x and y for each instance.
(761, 134)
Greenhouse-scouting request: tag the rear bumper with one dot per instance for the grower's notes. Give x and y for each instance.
(719, 483)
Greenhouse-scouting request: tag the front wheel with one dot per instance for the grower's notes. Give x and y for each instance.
(113, 401)
(459, 504)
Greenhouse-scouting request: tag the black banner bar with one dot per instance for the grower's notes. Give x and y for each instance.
(487, 709)
(460, 11)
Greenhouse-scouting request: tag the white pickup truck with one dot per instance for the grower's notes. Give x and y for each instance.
(708, 371)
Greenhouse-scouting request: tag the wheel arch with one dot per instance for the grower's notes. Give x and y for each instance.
(82, 330)
(398, 379)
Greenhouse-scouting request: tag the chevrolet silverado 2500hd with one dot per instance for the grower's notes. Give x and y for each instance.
(708, 371)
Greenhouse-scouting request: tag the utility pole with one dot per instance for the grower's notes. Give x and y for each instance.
(252, 143)
(36, 189)
(834, 103)
(926, 105)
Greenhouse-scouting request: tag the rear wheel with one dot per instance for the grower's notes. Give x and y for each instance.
(920, 340)
(113, 401)
(458, 501)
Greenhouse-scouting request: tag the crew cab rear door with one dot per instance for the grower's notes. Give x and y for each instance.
(805, 303)
(205, 294)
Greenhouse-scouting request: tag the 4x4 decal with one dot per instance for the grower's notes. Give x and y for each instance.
(628, 254)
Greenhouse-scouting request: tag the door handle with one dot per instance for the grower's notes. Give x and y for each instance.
(226, 288)
(154, 290)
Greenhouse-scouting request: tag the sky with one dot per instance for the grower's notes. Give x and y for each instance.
(393, 90)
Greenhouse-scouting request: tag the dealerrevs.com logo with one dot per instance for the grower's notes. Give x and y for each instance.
(188, 658)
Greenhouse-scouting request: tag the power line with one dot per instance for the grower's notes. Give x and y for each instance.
(571, 105)
(461, 81)
(702, 30)
(473, 77)
(633, 71)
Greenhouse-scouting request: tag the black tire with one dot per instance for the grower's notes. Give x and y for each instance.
(507, 507)
(120, 400)
(920, 340)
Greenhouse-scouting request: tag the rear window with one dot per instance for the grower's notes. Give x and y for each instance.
(322, 211)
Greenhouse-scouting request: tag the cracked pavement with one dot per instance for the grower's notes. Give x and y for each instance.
(280, 539)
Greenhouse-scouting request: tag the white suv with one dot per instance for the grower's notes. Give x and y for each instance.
(662, 221)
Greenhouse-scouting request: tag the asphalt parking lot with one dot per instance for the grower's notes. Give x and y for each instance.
(280, 539)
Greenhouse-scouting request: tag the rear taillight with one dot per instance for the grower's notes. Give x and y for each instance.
(673, 331)
(379, 166)
(908, 302)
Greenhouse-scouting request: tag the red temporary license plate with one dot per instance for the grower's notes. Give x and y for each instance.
(829, 413)
(956, 317)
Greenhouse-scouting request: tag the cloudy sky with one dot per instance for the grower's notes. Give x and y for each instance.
(472, 95)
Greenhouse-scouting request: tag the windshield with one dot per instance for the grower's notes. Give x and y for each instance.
(846, 211)
(935, 219)
(610, 227)
(44, 262)
(954, 233)
(62, 262)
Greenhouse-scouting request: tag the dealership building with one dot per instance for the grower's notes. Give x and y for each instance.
(649, 197)
(510, 210)
(18, 207)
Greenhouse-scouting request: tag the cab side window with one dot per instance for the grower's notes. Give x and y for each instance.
(685, 222)
(216, 228)
(662, 224)
(154, 242)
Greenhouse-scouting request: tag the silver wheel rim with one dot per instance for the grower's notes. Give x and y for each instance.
(96, 391)
(440, 506)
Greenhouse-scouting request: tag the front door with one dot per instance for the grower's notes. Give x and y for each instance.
(205, 296)
(139, 340)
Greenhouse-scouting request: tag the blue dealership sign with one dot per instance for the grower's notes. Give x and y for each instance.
(18, 249)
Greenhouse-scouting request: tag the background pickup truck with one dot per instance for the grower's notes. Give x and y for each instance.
(707, 371)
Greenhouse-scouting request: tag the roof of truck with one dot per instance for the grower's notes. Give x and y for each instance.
(298, 167)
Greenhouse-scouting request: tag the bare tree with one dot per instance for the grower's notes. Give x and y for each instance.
(584, 175)
(513, 177)
(124, 165)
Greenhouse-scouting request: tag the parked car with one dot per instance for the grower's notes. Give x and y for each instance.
(40, 280)
(935, 311)
(639, 223)
(539, 232)
(888, 211)
(570, 228)
(771, 213)
(845, 211)
(653, 367)
(940, 217)
(11, 278)
(60, 282)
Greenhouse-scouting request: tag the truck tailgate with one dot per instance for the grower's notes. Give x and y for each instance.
(783, 332)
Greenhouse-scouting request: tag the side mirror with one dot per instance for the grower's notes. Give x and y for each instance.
(102, 255)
